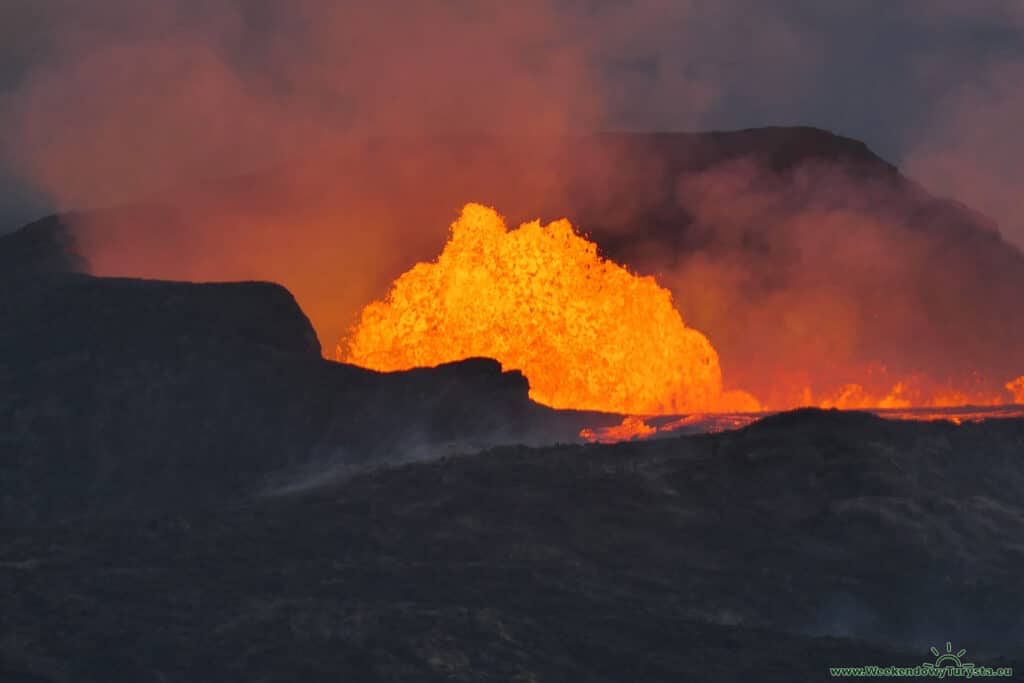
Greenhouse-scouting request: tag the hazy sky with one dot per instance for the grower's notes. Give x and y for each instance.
(933, 85)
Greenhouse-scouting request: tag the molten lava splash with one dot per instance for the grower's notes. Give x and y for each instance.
(590, 335)
(586, 332)
(631, 428)
(1016, 387)
(903, 395)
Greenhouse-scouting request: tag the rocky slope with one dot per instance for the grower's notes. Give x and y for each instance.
(806, 541)
(118, 395)
(190, 493)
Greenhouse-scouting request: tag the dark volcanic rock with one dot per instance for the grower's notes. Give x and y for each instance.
(44, 246)
(185, 497)
(770, 554)
(121, 395)
(52, 316)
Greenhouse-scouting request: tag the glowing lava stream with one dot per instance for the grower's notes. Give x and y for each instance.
(587, 333)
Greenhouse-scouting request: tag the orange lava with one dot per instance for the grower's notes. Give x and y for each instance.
(590, 335)
(587, 333)
(632, 427)
(902, 395)
(1016, 387)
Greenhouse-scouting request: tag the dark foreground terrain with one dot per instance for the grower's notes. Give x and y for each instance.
(124, 395)
(189, 493)
(806, 541)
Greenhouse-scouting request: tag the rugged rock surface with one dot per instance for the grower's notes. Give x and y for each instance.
(805, 541)
(44, 246)
(120, 395)
(190, 493)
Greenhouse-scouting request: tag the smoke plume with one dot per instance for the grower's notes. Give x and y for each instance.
(328, 146)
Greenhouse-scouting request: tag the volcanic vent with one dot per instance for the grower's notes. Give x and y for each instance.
(586, 332)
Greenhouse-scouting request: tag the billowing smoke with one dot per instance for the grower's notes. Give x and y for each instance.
(354, 100)
(328, 146)
(361, 124)
(138, 100)
(825, 285)
(118, 101)
(973, 149)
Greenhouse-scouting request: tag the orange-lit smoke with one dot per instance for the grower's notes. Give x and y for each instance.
(587, 333)
(847, 287)
(315, 143)
(816, 286)
(142, 100)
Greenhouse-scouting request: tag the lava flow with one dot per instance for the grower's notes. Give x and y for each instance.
(586, 332)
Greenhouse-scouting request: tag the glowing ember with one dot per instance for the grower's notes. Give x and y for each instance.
(586, 332)
(1016, 387)
(631, 428)
(904, 395)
